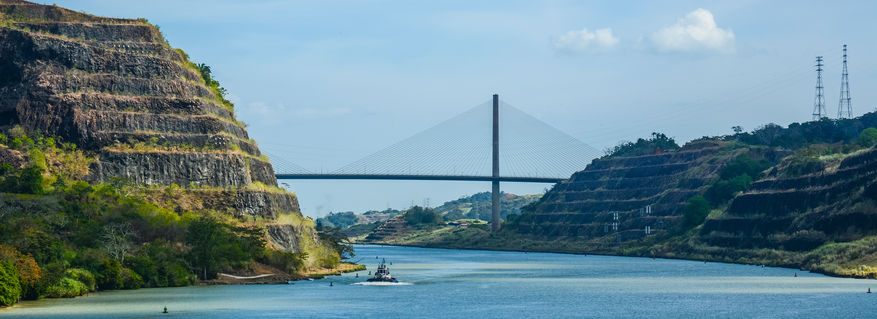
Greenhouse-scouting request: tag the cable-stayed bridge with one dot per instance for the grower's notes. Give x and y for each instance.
(492, 141)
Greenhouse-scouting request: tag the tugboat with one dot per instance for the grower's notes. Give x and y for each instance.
(382, 274)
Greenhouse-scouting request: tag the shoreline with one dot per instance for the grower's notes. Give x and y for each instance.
(796, 267)
(281, 278)
(263, 279)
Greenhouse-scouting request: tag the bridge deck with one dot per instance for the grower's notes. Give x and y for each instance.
(422, 177)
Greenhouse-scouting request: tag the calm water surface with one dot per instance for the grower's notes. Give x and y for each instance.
(484, 284)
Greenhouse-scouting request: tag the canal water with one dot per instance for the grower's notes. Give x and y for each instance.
(445, 283)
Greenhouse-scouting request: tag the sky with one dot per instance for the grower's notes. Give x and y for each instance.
(324, 83)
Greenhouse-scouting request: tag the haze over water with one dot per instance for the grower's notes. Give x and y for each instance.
(484, 284)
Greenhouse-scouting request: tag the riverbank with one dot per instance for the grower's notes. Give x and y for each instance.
(262, 274)
(845, 260)
(343, 267)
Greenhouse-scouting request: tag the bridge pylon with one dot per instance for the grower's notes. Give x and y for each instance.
(495, 205)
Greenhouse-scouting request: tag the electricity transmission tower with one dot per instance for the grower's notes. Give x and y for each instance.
(844, 109)
(819, 102)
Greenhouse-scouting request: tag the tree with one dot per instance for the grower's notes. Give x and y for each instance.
(659, 142)
(336, 239)
(110, 275)
(868, 137)
(117, 240)
(30, 181)
(743, 164)
(202, 236)
(723, 190)
(419, 216)
(215, 245)
(696, 211)
(10, 288)
(206, 73)
(737, 129)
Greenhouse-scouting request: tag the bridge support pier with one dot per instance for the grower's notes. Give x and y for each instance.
(495, 205)
(494, 216)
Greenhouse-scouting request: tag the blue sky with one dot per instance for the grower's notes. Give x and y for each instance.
(323, 83)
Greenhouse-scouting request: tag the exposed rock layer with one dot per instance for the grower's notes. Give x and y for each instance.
(619, 196)
(116, 89)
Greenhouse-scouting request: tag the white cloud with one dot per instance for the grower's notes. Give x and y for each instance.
(697, 31)
(586, 41)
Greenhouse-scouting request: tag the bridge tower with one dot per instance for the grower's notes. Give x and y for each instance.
(494, 216)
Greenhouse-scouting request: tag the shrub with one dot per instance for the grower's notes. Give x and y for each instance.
(803, 165)
(743, 164)
(67, 288)
(286, 261)
(868, 137)
(16, 143)
(696, 211)
(6, 168)
(178, 275)
(3, 139)
(10, 288)
(17, 132)
(30, 181)
(110, 275)
(723, 190)
(130, 279)
(83, 276)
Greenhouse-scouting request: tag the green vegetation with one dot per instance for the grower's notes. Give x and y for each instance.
(656, 144)
(214, 86)
(337, 239)
(216, 246)
(798, 135)
(696, 211)
(419, 216)
(340, 220)
(868, 137)
(85, 237)
(735, 177)
(62, 237)
(478, 206)
(10, 287)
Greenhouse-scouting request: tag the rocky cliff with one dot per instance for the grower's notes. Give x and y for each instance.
(121, 93)
(802, 212)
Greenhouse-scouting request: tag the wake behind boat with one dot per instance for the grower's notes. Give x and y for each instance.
(382, 274)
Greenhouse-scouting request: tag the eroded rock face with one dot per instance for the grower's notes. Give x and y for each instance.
(116, 89)
(801, 213)
(284, 236)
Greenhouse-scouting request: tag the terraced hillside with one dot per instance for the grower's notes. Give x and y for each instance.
(800, 213)
(618, 197)
(147, 115)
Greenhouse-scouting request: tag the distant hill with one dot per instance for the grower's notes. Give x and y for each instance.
(478, 206)
(471, 209)
(345, 220)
